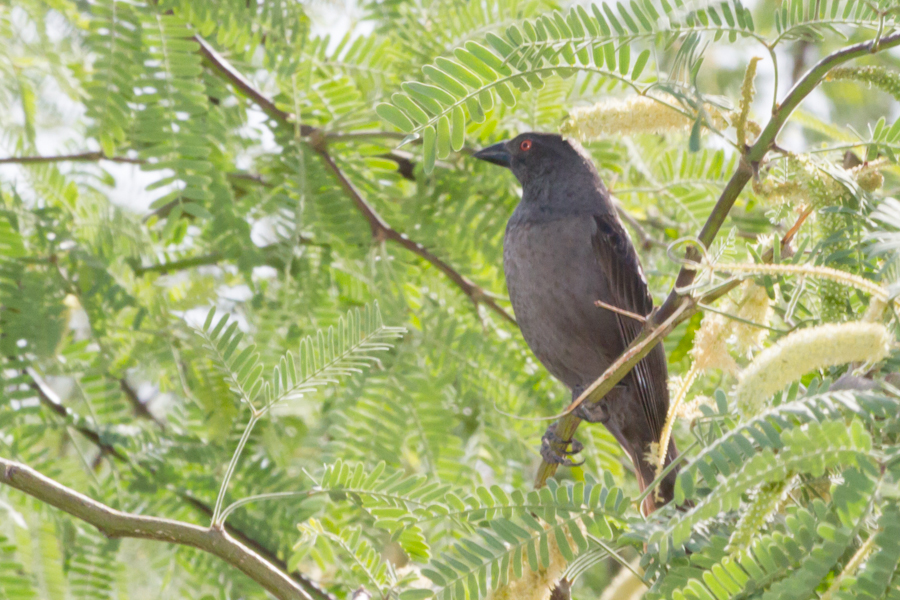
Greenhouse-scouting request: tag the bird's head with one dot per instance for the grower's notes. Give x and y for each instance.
(532, 154)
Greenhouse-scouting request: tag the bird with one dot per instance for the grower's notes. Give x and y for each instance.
(564, 249)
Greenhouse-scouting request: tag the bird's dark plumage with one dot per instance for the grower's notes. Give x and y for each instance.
(564, 249)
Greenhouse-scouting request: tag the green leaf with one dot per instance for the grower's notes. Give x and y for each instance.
(426, 91)
(404, 103)
(639, 64)
(429, 148)
(416, 594)
(394, 116)
(624, 59)
(506, 94)
(458, 129)
(445, 80)
(474, 63)
(443, 137)
(488, 58)
(459, 72)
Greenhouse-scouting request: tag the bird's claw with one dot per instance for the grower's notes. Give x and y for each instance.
(591, 414)
(553, 449)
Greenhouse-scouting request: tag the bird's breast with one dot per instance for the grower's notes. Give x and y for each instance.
(554, 279)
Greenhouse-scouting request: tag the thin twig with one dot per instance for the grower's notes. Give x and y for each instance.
(99, 155)
(179, 265)
(238, 80)
(318, 140)
(117, 524)
(621, 311)
(140, 407)
(272, 257)
(49, 399)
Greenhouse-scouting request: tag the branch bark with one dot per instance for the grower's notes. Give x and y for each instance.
(50, 400)
(678, 306)
(117, 524)
(318, 140)
(81, 157)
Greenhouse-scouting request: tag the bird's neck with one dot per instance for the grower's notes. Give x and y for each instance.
(551, 199)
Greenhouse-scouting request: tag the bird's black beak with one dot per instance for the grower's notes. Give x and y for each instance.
(497, 154)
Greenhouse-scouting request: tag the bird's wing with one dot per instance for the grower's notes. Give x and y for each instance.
(619, 262)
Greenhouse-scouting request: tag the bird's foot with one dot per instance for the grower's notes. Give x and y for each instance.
(592, 413)
(553, 448)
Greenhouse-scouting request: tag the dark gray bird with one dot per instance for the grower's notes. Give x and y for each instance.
(564, 249)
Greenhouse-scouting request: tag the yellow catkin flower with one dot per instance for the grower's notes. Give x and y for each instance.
(787, 192)
(876, 309)
(710, 349)
(747, 93)
(535, 585)
(870, 180)
(767, 501)
(635, 114)
(880, 77)
(805, 182)
(808, 350)
(677, 398)
(752, 306)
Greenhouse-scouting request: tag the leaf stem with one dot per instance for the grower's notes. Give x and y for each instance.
(217, 518)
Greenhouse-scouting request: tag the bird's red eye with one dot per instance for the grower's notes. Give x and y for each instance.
(525, 145)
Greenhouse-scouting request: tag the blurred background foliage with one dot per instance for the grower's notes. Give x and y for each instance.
(161, 158)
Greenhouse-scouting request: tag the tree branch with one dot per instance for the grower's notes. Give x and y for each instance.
(238, 80)
(756, 153)
(382, 231)
(308, 585)
(49, 399)
(139, 407)
(118, 524)
(82, 157)
(318, 141)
